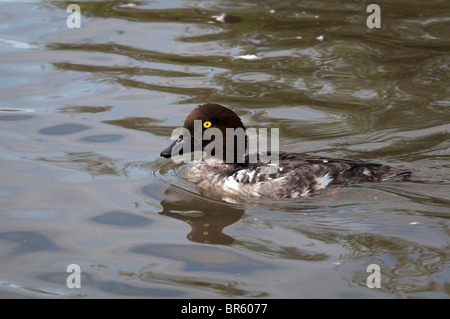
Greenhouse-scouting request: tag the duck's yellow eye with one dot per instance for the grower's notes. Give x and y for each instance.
(207, 124)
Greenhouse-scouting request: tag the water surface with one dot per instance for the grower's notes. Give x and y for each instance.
(84, 114)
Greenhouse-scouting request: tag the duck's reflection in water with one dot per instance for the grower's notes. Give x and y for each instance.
(207, 217)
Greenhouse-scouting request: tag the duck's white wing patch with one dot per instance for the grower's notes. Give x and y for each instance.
(251, 176)
(231, 183)
(240, 175)
(323, 181)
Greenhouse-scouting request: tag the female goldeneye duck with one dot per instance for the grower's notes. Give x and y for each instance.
(294, 174)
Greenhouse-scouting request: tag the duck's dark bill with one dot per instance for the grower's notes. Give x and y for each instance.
(167, 153)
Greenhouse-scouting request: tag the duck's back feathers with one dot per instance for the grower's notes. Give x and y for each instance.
(342, 170)
(299, 175)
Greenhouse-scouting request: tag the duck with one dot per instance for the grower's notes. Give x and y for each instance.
(289, 176)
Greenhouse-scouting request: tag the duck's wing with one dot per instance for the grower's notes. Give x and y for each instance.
(341, 170)
(299, 174)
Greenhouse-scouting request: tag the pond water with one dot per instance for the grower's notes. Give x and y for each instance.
(85, 112)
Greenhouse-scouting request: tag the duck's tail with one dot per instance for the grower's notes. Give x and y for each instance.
(370, 172)
(389, 172)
